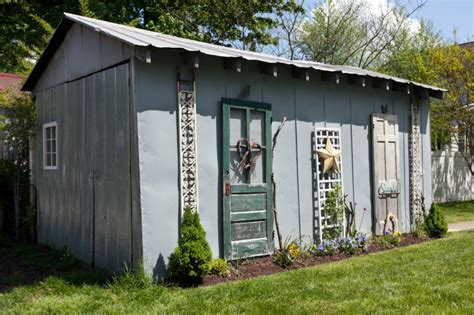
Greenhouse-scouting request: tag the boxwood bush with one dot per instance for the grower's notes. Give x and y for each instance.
(191, 259)
(435, 223)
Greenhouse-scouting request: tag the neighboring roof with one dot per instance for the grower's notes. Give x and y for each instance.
(9, 79)
(139, 37)
(466, 45)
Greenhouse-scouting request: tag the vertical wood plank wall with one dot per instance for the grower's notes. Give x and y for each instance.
(85, 205)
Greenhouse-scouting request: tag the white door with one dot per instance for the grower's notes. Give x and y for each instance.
(386, 168)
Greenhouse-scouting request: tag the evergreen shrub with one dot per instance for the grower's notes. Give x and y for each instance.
(435, 223)
(191, 259)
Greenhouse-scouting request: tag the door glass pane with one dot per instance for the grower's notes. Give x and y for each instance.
(237, 174)
(236, 125)
(257, 126)
(257, 173)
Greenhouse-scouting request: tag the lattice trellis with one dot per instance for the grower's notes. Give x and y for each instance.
(415, 163)
(187, 144)
(324, 183)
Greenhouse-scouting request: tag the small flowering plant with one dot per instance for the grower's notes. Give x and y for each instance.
(293, 250)
(327, 248)
(348, 246)
(362, 241)
(390, 238)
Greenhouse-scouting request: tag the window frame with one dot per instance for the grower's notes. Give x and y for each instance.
(55, 152)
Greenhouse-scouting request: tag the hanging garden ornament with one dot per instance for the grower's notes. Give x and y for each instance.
(330, 157)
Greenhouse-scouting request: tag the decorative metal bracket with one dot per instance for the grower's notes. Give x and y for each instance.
(187, 142)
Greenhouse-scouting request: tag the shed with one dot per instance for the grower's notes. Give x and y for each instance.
(134, 125)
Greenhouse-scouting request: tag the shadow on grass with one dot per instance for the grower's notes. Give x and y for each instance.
(24, 263)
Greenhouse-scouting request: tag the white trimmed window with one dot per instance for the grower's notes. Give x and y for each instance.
(50, 146)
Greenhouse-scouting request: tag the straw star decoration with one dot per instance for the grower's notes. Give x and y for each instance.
(330, 156)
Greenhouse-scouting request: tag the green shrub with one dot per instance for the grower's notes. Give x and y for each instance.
(190, 260)
(219, 267)
(420, 231)
(435, 224)
(283, 259)
(334, 213)
(389, 239)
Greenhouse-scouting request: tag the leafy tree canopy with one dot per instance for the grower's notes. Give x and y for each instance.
(27, 25)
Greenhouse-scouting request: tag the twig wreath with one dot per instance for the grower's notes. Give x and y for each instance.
(248, 158)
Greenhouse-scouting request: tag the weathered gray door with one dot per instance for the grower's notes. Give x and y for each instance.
(107, 136)
(248, 217)
(386, 168)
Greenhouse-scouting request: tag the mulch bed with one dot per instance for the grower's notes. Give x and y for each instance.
(262, 266)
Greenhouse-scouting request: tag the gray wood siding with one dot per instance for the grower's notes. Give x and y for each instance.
(82, 52)
(85, 205)
(305, 104)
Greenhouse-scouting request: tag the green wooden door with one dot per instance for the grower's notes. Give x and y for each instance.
(247, 160)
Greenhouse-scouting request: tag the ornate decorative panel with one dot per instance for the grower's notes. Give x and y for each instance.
(415, 164)
(187, 146)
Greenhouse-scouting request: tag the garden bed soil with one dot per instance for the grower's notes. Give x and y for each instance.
(262, 266)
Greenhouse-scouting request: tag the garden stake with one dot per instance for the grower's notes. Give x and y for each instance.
(275, 212)
(351, 210)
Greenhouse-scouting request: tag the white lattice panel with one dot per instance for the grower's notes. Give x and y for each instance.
(324, 183)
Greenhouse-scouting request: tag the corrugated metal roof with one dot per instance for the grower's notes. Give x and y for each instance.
(139, 37)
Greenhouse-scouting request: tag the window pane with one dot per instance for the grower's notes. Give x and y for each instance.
(53, 146)
(48, 159)
(48, 133)
(53, 132)
(48, 146)
(236, 125)
(53, 160)
(257, 127)
(237, 174)
(257, 173)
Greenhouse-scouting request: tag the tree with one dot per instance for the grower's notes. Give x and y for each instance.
(412, 55)
(18, 126)
(27, 25)
(352, 33)
(454, 116)
(24, 34)
(290, 20)
(242, 24)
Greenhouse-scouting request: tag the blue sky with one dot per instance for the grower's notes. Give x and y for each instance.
(449, 14)
(445, 15)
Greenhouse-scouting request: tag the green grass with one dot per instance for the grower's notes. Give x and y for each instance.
(433, 277)
(455, 212)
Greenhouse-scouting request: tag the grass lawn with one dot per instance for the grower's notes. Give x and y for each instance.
(433, 277)
(455, 212)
